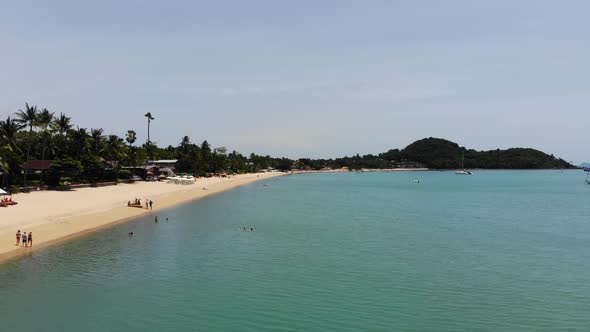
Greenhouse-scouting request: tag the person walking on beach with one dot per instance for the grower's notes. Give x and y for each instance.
(147, 204)
(18, 237)
(24, 237)
(151, 204)
(30, 239)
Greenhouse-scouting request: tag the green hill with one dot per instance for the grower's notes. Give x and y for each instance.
(443, 154)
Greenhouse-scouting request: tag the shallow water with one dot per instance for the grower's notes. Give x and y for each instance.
(499, 250)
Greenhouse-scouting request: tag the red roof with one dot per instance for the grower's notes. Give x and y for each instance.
(37, 164)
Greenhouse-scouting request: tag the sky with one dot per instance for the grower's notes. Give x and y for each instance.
(302, 78)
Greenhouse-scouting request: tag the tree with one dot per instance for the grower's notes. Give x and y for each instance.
(149, 117)
(115, 150)
(206, 156)
(131, 137)
(61, 168)
(92, 168)
(28, 117)
(97, 141)
(8, 146)
(219, 159)
(8, 132)
(44, 119)
(79, 141)
(61, 124)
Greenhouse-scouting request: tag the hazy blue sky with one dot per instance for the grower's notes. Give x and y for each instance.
(308, 78)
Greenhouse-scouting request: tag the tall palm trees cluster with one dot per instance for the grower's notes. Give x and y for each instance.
(38, 134)
(90, 155)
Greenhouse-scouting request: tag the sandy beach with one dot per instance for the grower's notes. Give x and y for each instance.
(55, 216)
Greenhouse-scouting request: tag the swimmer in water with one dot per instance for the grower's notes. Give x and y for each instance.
(156, 220)
(251, 229)
(166, 219)
(130, 234)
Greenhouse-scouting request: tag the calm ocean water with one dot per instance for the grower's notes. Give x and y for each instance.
(496, 251)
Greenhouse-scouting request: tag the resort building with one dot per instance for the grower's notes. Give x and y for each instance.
(164, 163)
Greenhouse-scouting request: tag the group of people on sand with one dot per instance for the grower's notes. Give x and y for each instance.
(149, 204)
(7, 201)
(27, 240)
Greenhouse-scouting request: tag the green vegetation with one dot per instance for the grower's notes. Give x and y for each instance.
(442, 154)
(80, 155)
(89, 156)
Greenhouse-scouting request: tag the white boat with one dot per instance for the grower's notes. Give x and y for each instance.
(463, 171)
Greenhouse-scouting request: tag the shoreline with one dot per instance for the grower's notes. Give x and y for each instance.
(54, 222)
(56, 226)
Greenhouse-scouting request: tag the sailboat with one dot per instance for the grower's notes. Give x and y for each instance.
(463, 171)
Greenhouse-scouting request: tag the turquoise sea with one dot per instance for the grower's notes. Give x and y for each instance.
(496, 251)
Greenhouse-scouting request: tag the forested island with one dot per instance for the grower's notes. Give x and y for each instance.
(40, 147)
(437, 153)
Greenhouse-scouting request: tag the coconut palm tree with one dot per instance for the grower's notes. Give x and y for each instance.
(29, 118)
(8, 131)
(97, 141)
(149, 117)
(44, 119)
(79, 140)
(116, 150)
(4, 166)
(8, 143)
(61, 124)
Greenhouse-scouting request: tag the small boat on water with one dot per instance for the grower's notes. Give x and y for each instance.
(463, 171)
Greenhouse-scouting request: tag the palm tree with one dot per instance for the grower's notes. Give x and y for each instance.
(115, 151)
(79, 139)
(115, 148)
(28, 117)
(44, 119)
(4, 167)
(8, 131)
(149, 117)
(61, 124)
(8, 143)
(97, 141)
(131, 137)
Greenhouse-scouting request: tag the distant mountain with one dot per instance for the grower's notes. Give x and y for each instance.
(443, 154)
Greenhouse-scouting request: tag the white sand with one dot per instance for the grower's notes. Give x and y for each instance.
(55, 216)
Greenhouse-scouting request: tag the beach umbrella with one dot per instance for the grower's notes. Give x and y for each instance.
(3, 192)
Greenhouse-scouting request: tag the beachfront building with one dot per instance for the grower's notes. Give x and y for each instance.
(36, 166)
(164, 163)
